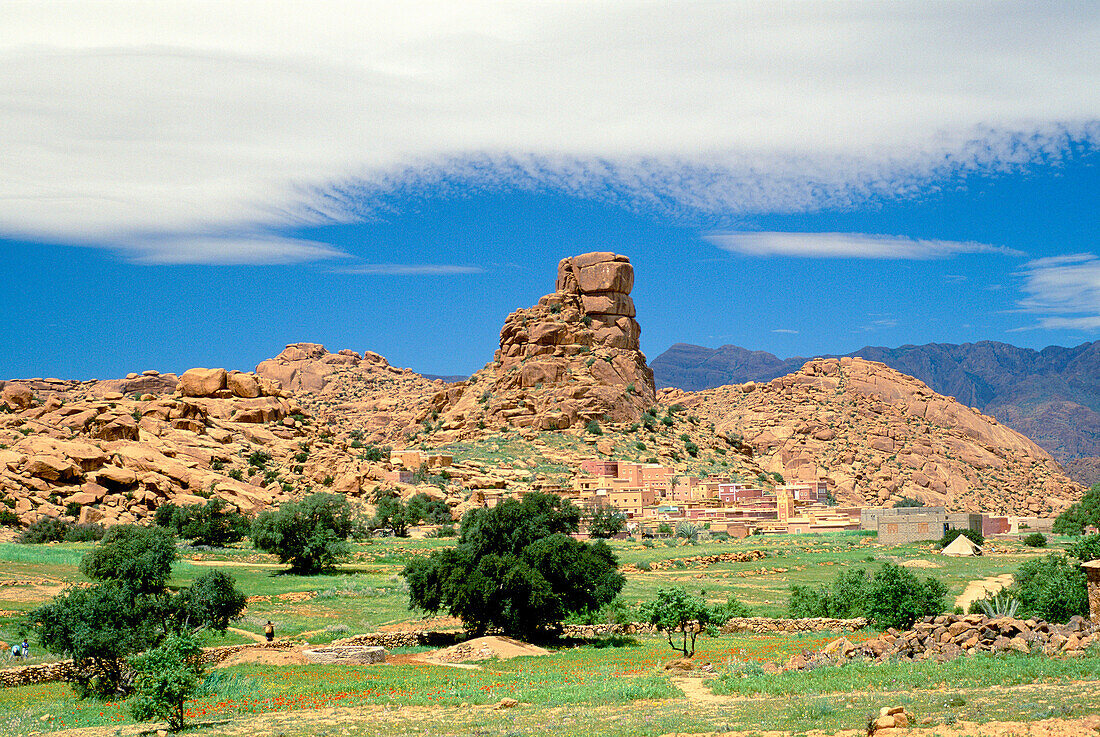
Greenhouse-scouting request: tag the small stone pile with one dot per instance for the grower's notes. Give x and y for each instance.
(699, 561)
(951, 635)
(890, 717)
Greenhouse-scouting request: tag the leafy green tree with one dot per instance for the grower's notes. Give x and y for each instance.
(165, 677)
(1051, 588)
(606, 521)
(139, 558)
(897, 598)
(392, 515)
(130, 608)
(516, 567)
(892, 597)
(311, 534)
(1076, 517)
(422, 508)
(213, 523)
(949, 537)
(1085, 549)
(675, 610)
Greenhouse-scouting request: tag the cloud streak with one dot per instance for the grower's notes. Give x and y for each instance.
(846, 245)
(411, 270)
(1064, 291)
(130, 119)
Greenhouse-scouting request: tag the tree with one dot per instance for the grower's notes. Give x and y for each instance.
(949, 537)
(897, 598)
(423, 508)
(213, 523)
(1077, 516)
(516, 567)
(1085, 549)
(130, 609)
(1051, 588)
(392, 515)
(310, 535)
(606, 522)
(675, 610)
(165, 677)
(892, 597)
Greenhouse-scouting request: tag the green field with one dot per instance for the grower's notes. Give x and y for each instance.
(618, 688)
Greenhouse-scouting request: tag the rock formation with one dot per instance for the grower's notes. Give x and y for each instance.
(878, 435)
(570, 359)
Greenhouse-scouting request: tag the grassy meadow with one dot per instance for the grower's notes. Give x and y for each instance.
(617, 687)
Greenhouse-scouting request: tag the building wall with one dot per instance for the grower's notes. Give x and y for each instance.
(898, 529)
(1092, 570)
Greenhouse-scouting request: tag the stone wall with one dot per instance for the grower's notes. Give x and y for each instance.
(64, 670)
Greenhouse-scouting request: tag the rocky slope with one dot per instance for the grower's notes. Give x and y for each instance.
(878, 435)
(1052, 395)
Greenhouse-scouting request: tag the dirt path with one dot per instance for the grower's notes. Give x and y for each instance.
(250, 635)
(238, 563)
(698, 692)
(976, 590)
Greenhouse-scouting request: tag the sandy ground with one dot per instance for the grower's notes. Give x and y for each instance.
(264, 657)
(1046, 728)
(484, 648)
(976, 590)
(920, 563)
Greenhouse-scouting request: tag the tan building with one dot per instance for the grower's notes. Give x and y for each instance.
(1092, 570)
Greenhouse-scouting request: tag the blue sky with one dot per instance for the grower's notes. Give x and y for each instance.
(179, 189)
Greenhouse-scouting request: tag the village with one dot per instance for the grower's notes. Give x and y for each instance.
(655, 500)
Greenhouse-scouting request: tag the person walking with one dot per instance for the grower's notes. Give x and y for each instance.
(269, 631)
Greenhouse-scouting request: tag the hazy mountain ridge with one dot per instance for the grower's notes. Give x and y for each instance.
(1052, 395)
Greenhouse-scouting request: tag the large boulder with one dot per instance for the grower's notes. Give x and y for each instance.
(17, 396)
(202, 382)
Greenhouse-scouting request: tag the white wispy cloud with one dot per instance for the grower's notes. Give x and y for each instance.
(224, 249)
(785, 331)
(1064, 291)
(411, 269)
(845, 245)
(130, 119)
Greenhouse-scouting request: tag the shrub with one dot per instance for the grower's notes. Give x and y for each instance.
(675, 610)
(259, 459)
(376, 453)
(44, 530)
(212, 523)
(1051, 588)
(9, 518)
(732, 608)
(948, 537)
(515, 566)
(892, 597)
(1036, 540)
(310, 535)
(85, 532)
(606, 522)
(1076, 517)
(1085, 549)
(593, 428)
(165, 678)
(906, 501)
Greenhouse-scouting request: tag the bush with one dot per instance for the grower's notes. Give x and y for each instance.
(212, 523)
(906, 501)
(948, 537)
(1036, 540)
(1051, 588)
(1085, 549)
(675, 610)
(310, 535)
(9, 518)
(606, 522)
(515, 566)
(376, 453)
(165, 678)
(44, 530)
(593, 428)
(1085, 512)
(892, 597)
(85, 532)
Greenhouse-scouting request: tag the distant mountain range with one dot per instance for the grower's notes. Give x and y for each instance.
(1052, 395)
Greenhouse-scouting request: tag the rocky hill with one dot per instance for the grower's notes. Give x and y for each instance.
(567, 384)
(878, 435)
(1052, 395)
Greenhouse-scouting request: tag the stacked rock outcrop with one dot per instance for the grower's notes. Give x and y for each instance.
(572, 358)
